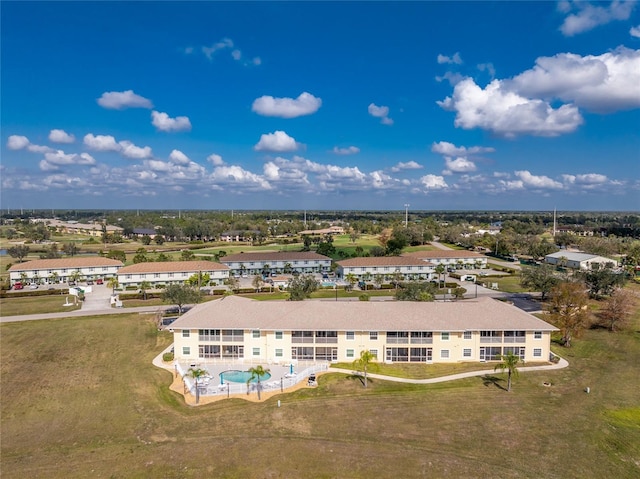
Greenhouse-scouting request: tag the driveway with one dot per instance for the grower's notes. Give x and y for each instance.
(98, 299)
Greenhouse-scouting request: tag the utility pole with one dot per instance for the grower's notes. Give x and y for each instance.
(406, 215)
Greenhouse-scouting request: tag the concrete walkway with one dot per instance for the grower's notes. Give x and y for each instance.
(562, 363)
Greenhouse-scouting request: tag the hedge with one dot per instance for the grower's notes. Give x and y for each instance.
(34, 292)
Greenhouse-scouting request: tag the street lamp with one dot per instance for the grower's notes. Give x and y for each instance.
(406, 215)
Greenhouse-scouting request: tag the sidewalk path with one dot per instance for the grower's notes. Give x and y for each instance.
(81, 312)
(562, 363)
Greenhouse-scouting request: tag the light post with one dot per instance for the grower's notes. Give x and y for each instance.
(406, 215)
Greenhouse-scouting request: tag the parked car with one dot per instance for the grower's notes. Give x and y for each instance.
(99, 281)
(90, 282)
(33, 286)
(18, 285)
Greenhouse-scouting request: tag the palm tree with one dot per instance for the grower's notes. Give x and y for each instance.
(366, 359)
(113, 284)
(75, 276)
(53, 277)
(196, 374)
(144, 286)
(257, 372)
(351, 279)
(287, 268)
(257, 282)
(509, 362)
(440, 269)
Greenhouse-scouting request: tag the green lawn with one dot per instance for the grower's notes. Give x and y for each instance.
(35, 305)
(80, 398)
(508, 284)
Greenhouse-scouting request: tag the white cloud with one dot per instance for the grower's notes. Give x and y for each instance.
(179, 158)
(164, 122)
(381, 112)
(116, 100)
(216, 160)
(455, 59)
(350, 150)
(452, 77)
(433, 182)
(236, 54)
(109, 143)
(460, 165)
(534, 181)
(17, 142)
(101, 142)
(61, 136)
(602, 83)
(221, 45)
(589, 16)
(635, 31)
(55, 159)
(409, 165)
(449, 149)
(256, 61)
(305, 104)
(507, 113)
(277, 141)
(237, 175)
(129, 150)
(489, 68)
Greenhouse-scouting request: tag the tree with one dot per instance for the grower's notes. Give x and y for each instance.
(180, 294)
(199, 279)
(354, 235)
(20, 252)
(266, 270)
(51, 253)
(141, 256)
(568, 310)
(196, 374)
(602, 281)
(440, 269)
(509, 362)
(163, 258)
(416, 291)
(257, 372)
(187, 255)
(113, 284)
(76, 276)
(616, 311)
(366, 360)
(70, 249)
(145, 240)
(144, 286)
(53, 277)
(301, 287)
(158, 239)
(232, 282)
(351, 279)
(117, 254)
(257, 282)
(540, 278)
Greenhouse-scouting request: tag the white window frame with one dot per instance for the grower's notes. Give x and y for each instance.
(445, 335)
(351, 353)
(279, 335)
(186, 333)
(467, 353)
(467, 335)
(444, 354)
(537, 335)
(351, 335)
(279, 353)
(537, 352)
(373, 335)
(256, 352)
(186, 350)
(255, 334)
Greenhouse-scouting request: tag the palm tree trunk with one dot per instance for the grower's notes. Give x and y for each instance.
(509, 380)
(365, 376)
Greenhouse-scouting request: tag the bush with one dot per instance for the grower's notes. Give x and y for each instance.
(363, 297)
(167, 357)
(36, 292)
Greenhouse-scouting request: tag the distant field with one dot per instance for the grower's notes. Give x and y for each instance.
(80, 398)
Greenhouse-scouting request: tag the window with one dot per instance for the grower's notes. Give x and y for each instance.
(537, 335)
(170, 275)
(466, 353)
(444, 336)
(350, 353)
(373, 335)
(398, 354)
(374, 353)
(421, 337)
(397, 337)
(278, 334)
(279, 353)
(128, 276)
(515, 350)
(256, 351)
(186, 350)
(444, 354)
(467, 335)
(256, 334)
(537, 352)
(351, 335)
(156, 275)
(420, 355)
(186, 333)
(143, 276)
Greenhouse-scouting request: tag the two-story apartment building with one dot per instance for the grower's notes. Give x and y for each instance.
(277, 262)
(63, 270)
(168, 272)
(235, 328)
(456, 259)
(386, 267)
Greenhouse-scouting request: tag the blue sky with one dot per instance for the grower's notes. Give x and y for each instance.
(327, 105)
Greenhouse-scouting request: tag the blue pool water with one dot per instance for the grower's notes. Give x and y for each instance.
(241, 377)
(328, 284)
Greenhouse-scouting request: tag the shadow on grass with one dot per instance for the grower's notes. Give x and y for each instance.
(353, 377)
(492, 380)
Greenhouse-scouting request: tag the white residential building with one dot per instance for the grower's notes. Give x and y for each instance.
(277, 262)
(457, 259)
(387, 267)
(63, 269)
(168, 272)
(235, 328)
(578, 260)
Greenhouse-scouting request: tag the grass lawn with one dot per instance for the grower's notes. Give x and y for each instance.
(35, 305)
(508, 284)
(80, 398)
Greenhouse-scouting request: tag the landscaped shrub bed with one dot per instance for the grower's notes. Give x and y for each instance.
(34, 292)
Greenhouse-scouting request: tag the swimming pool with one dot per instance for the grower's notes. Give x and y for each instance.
(236, 376)
(328, 284)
